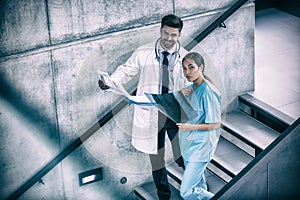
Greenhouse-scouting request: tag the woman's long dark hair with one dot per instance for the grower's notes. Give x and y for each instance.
(199, 60)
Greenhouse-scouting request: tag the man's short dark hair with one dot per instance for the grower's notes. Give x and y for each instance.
(172, 21)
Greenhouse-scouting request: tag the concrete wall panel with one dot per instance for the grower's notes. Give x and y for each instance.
(117, 158)
(79, 102)
(77, 19)
(23, 25)
(191, 7)
(28, 120)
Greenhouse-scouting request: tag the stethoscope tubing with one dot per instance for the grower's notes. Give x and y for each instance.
(176, 52)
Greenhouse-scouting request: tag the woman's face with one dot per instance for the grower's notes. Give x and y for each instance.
(169, 37)
(191, 70)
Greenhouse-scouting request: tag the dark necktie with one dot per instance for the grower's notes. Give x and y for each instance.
(165, 77)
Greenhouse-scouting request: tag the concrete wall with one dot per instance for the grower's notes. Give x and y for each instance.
(50, 52)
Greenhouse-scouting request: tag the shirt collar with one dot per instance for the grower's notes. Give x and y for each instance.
(160, 49)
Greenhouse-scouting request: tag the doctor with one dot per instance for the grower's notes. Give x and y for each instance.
(149, 125)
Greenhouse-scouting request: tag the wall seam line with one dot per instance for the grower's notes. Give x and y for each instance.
(48, 21)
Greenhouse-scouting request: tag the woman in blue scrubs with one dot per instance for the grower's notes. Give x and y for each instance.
(199, 136)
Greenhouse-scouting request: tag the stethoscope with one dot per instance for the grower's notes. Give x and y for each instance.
(176, 52)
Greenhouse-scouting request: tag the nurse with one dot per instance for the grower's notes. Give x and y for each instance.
(198, 137)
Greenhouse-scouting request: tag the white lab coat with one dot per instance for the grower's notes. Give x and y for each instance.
(143, 63)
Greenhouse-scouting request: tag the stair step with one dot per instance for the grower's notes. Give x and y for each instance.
(239, 143)
(219, 172)
(175, 172)
(249, 130)
(147, 191)
(213, 181)
(265, 113)
(229, 158)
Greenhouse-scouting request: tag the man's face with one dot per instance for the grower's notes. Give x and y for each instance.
(169, 37)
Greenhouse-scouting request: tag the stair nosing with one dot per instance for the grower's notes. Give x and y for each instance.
(261, 105)
(227, 126)
(219, 161)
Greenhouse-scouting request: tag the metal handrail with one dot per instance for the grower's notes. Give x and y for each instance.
(74, 145)
(218, 22)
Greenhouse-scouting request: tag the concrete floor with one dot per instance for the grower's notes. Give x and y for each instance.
(277, 60)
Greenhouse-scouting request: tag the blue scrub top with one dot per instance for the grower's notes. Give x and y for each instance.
(199, 145)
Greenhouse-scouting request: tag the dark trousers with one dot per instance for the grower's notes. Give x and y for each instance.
(159, 172)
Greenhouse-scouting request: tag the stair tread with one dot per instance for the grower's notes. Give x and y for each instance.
(230, 157)
(251, 99)
(175, 172)
(148, 191)
(249, 129)
(227, 157)
(213, 181)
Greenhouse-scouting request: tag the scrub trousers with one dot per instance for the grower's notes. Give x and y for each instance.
(159, 172)
(193, 185)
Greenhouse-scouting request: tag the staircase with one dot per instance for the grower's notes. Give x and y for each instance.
(245, 133)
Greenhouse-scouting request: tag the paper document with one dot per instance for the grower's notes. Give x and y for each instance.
(119, 89)
(114, 87)
(139, 100)
(173, 105)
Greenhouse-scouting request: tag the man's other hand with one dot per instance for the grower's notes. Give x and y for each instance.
(102, 85)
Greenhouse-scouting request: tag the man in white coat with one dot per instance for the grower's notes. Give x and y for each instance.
(149, 125)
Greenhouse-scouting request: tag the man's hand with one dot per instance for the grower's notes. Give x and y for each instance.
(102, 85)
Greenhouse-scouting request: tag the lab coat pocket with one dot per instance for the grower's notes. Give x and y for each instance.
(142, 115)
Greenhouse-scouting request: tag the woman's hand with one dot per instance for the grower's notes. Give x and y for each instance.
(186, 91)
(204, 127)
(185, 127)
